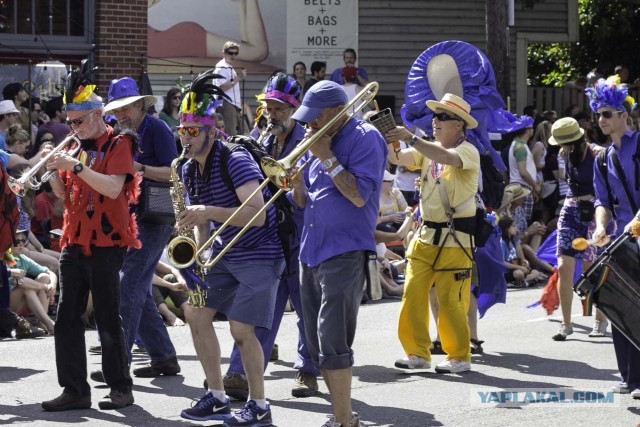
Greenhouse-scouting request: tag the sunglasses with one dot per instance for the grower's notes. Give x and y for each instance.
(46, 140)
(21, 242)
(37, 111)
(607, 114)
(443, 117)
(77, 122)
(192, 130)
(177, 97)
(231, 52)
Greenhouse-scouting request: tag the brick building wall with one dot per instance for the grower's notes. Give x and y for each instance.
(121, 40)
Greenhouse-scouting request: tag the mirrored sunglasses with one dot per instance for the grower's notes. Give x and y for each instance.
(193, 131)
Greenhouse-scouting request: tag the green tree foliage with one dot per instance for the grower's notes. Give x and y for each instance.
(609, 34)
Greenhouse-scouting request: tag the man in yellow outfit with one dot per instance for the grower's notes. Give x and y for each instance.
(440, 253)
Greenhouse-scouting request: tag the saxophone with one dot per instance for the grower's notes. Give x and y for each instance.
(181, 250)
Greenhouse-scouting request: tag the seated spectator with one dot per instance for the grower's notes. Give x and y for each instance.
(518, 271)
(32, 285)
(49, 211)
(56, 124)
(14, 326)
(392, 205)
(386, 274)
(17, 140)
(529, 237)
(168, 282)
(41, 139)
(26, 211)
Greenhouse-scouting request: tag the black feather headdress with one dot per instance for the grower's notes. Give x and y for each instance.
(201, 99)
(78, 89)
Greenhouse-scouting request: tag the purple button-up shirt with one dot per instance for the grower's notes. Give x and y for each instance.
(333, 225)
(630, 166)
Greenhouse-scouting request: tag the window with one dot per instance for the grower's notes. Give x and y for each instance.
(43, 17)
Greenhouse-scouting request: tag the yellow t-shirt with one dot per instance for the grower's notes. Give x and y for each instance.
(460, 183)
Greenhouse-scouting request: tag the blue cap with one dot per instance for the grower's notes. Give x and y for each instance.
(321, 95)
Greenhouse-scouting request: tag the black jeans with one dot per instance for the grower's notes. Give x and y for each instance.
(100, 274)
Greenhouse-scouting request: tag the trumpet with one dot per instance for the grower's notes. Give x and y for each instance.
(280, 172)
(29, 181)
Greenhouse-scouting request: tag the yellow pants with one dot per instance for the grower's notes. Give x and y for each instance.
(453, 297)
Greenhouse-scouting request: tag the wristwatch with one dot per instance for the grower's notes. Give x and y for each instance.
(329, 162)
(413, 141)
(78, 168)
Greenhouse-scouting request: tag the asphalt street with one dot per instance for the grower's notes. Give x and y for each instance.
(519, 354)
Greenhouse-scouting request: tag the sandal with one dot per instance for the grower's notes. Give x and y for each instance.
(437, 348)
(476, 346)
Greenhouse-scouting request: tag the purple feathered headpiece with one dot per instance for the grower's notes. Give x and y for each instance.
(283, 88)
(606, 93)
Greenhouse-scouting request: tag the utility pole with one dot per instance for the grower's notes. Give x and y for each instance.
(497, 43)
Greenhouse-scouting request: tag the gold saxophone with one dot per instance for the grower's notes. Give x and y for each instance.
(181, 250)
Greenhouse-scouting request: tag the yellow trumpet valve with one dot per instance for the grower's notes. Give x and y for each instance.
(634, 227)
(580, 244)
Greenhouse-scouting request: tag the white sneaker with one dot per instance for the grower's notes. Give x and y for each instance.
(621, 388)
(452, 366)
(635, 393)
(599, 328)
(564, 331)
(413, 362)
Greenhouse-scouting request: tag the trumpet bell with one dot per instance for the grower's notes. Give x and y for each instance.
(181, 252)
(17, 187)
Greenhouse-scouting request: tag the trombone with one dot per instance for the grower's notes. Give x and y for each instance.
(279, 172)
(29, 181)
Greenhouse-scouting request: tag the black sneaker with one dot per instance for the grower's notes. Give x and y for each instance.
(97, 376)
(116, 399)
(275, 354)
(155, 369)
(208, 408)
(95, 349)
(251, 415)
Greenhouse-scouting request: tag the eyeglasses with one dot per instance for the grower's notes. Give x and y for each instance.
(443, 117)
(177, 98)
(21, 241)
(275, 111)
(46, 140)
(77, 122)
(231, 52)
(607, 114)
(192, 130)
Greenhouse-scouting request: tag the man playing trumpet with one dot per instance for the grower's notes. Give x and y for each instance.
(97, 187)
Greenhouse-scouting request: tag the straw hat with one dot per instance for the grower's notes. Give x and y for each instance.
(565, 131)
(513, 192)
(457, 106)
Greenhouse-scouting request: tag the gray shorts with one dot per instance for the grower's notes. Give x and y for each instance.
(331, 294)
(245, 291)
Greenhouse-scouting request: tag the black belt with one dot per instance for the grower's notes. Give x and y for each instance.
(462, 225)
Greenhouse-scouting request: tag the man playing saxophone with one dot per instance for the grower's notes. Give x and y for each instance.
(243, 284)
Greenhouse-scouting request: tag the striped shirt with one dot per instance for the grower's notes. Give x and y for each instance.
(258, 243)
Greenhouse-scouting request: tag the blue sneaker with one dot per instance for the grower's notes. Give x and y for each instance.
(251, 415)
(208, 408)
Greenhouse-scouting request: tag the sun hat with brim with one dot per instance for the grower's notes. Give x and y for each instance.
(565, 131)
(321, 95)
(455, 105)
(123, 92)
(8, 107)
(512, 193)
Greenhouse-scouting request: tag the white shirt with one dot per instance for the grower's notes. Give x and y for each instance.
(226, 70)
